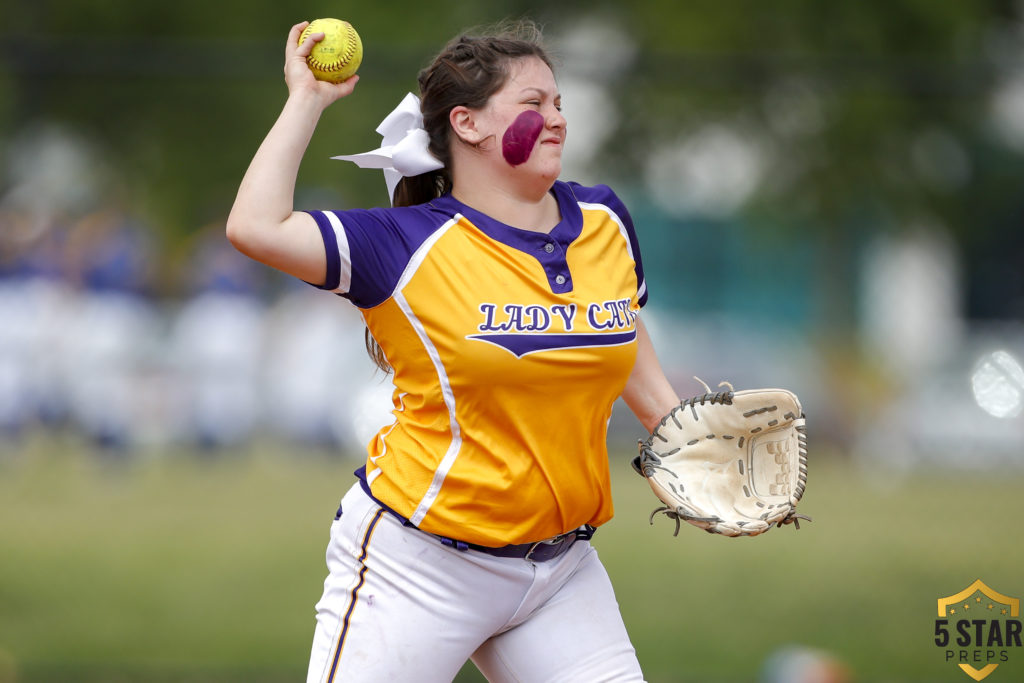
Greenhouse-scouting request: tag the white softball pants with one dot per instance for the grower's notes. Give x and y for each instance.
(400, 606)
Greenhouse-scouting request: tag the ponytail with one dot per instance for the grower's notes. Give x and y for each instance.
(420, 189)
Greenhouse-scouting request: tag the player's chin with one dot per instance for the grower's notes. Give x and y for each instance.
(550, 171)
(549, 161)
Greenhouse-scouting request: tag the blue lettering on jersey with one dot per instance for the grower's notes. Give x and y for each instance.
(537, 318)
(567, 314)
(610, 315)
(522, 330)
(521, 318)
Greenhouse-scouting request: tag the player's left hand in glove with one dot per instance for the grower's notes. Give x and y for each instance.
(729, 462)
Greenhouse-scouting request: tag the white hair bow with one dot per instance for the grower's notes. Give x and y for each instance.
(403, 151)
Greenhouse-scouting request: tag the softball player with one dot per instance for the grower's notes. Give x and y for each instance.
(506, 302)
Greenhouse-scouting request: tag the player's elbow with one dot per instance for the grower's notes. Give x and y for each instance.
(242, 234)
(235, 232)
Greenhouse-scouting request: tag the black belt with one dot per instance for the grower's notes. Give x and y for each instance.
(539, 551)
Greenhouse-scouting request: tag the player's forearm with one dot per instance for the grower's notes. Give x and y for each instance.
(648, 392)
(266, 196)
(650, 400)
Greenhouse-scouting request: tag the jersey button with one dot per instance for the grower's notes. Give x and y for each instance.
(560, 279)
(549, 247)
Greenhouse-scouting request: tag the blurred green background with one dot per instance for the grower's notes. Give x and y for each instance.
(827, 199)
(189, 569)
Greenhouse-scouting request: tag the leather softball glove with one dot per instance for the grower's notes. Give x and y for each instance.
(729, 462)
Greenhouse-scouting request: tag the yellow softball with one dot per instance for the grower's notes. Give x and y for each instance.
(338, 55)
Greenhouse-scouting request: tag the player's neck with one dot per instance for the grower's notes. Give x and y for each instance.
(527, 212)
(523, 202)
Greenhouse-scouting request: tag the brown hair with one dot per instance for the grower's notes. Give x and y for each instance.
(471, 67)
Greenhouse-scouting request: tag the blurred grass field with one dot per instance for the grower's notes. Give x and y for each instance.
(183, 568)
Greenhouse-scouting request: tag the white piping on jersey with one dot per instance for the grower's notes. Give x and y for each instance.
(381, 437)
(383, 440)
(442, 376)
(343, 251)
(641, 287)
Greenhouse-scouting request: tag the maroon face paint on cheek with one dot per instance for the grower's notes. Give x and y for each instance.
(518, 141)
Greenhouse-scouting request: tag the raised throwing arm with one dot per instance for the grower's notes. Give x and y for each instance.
(263, 223)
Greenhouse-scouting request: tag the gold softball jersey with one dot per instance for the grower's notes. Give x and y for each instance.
(509, 348)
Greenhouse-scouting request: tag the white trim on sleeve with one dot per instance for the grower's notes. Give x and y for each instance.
(344, 255)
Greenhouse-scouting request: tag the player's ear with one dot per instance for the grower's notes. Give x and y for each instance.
(463, 122)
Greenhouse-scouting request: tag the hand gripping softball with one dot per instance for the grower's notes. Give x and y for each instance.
(729, 462)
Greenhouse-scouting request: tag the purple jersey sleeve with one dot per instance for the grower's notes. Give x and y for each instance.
(368, 249)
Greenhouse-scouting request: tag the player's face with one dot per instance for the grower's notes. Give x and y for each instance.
(525, 119)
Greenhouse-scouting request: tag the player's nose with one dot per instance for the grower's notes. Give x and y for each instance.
(554, 119)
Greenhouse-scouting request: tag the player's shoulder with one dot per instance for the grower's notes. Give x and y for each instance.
(374, 246)
(413, 218)
(591, 194)
(596, 196)
(406, 224)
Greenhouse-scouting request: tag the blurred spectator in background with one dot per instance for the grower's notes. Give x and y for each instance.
(113, 324)
(34, 306)
(21, 311)
(217, 344)
(315, 365)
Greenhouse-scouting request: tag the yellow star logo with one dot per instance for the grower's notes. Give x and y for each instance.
(978, 594)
